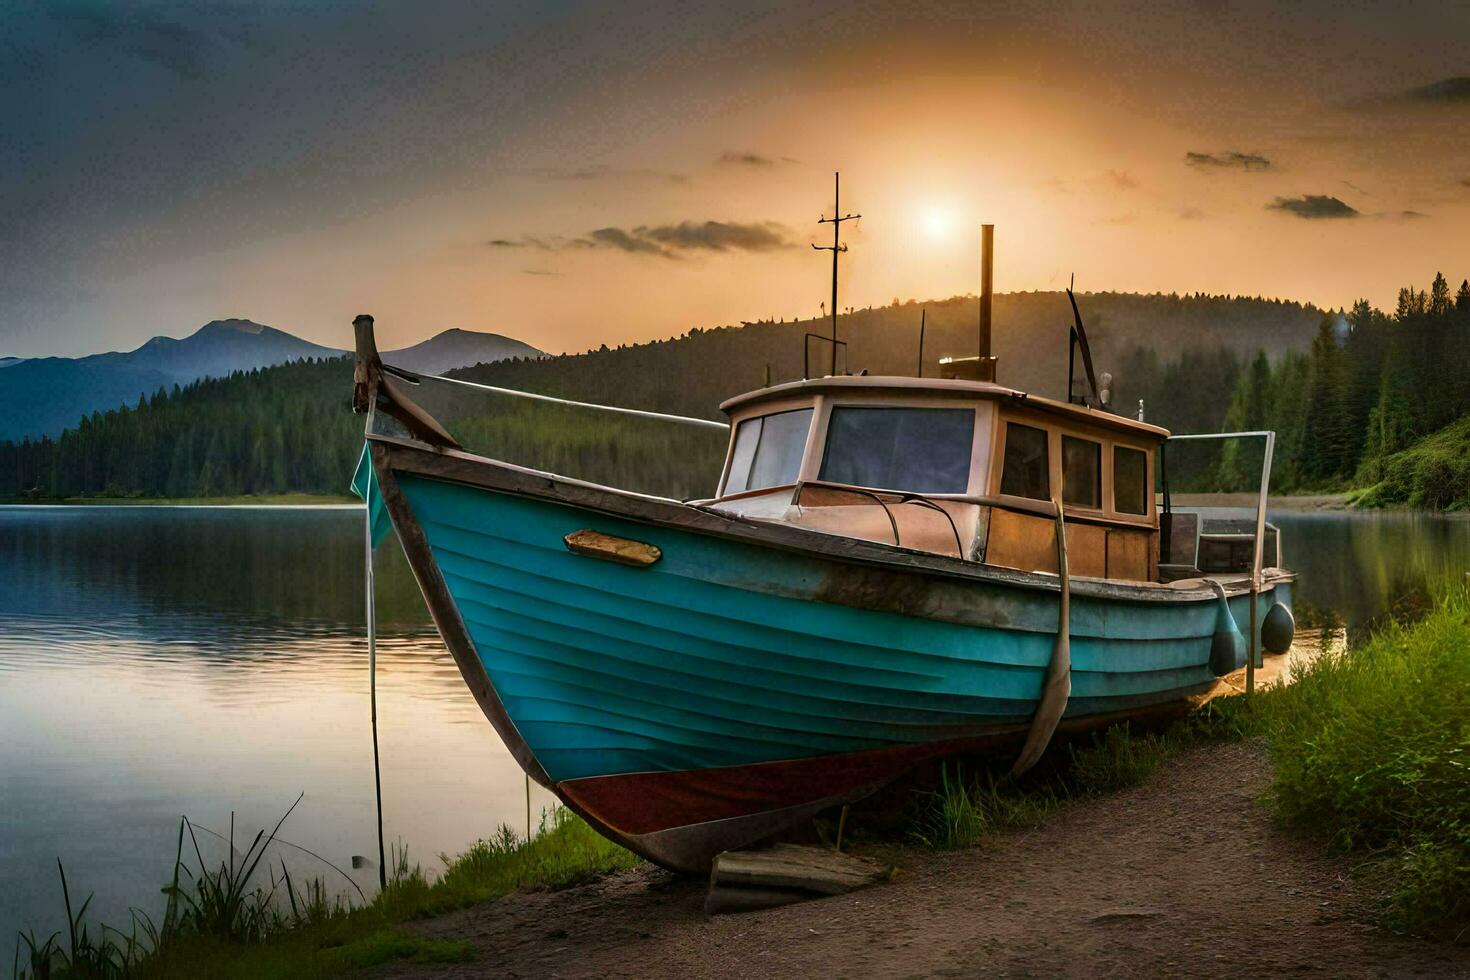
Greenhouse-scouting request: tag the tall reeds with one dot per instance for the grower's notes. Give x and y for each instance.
(245, 916)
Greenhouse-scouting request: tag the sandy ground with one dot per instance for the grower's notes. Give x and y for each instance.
(1186, 876)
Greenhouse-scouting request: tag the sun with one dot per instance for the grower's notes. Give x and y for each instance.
(936, 221)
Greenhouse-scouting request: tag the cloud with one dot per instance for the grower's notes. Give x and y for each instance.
(542, 272)
(626, 241)
(1465, 181)
(1123, 180)
(140, 33)
(719, 236)
(667, 241)
(604, 172)
(1446, 91)
(1230, 159)
(741, 158)
(747, 158)
(1412, 215)
(1192, 214)
(1314, 206)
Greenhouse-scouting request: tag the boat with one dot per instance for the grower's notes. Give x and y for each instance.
(893, 570)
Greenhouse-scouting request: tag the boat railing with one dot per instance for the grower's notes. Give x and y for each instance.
(1260, 535)
(901, 497)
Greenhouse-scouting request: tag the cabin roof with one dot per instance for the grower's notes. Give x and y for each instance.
(943, 388)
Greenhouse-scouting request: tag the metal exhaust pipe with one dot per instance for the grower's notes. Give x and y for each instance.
(986, 366)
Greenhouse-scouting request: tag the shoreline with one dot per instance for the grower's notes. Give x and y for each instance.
(1303, 503)
(237, 500)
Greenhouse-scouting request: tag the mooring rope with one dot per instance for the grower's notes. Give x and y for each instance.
(1056, 688)
(372, 632)
(534, 396)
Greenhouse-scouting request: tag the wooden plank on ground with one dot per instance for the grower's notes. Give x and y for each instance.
(789, 866)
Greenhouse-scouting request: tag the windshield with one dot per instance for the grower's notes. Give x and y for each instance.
(915, 450)
(768, 451)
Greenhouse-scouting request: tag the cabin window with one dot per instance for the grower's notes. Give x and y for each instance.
(1130, 480)
(1081, 472)
(1026, 471)
(768, 451)
(915, 450)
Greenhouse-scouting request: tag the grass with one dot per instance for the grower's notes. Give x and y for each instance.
(244, 918)
(965, 811)
(1370, 752)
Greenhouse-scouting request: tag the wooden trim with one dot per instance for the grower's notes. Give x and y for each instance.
(746, 494)
(625, 551)
(946, 388)
(816, 441)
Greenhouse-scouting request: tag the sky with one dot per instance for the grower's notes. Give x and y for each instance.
(574, 174)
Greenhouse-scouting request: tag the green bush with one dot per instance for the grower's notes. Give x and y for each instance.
(1433, 473)
(1371, 750)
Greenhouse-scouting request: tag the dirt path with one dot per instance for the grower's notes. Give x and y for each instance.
(1183, 877)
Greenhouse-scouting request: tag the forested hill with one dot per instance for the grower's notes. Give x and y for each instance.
(287, 428)
(691, 375)
(1378, 402)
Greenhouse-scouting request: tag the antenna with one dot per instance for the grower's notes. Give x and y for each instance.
(837, 246)
(1078, 339)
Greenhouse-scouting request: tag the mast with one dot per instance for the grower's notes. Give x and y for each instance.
(836, 222)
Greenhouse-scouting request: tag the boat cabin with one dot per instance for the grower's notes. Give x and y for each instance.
(969, 469)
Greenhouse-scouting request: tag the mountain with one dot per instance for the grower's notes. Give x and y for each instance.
(456, 349)
(6, 362)
(44, 395)
(221, 347)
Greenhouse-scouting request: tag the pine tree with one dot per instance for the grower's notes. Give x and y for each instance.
(1439, 295)
(1326, 449)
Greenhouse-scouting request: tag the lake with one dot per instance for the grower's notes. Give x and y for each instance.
(164, 661)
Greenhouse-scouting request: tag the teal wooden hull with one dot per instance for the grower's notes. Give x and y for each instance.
(720, 683)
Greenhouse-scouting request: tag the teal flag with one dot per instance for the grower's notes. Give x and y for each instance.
(365, 485)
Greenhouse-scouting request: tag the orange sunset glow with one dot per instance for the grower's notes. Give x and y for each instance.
(457, 177)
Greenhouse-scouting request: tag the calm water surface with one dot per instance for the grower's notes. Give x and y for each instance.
(165, 661)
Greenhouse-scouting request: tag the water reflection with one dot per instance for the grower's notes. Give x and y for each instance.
(155, 662)
(1364, 566)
